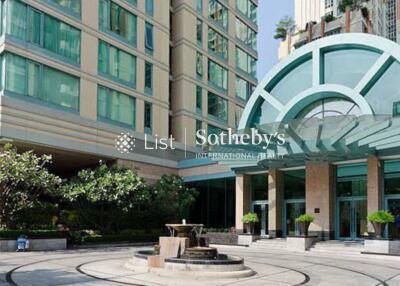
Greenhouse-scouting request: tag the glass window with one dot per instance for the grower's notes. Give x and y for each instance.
(245, 62)
(217, 43)
(133, 2)
(149, 7)
(389, 85)
(238, 114)
(330, 107)
(211, 129)
(26, 23)
(148, 118)
(32, 79)
(217, 75)
(199, 99)
(116, 106)
(148, 77)
(199, 32)
(218, 12)
(259, 187)
(116, 19)
(243, 88)
(72, 5)
(396, 108)
(247, 8)
(297, 80)
(217, 107)
(198, 125)
(347, 67)
(199, 6)
(149, 37)
(117, 63)
(351, 186)
(199, 65)
(294, 184)
(246, 34)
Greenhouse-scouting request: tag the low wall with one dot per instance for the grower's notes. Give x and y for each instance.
(390, 247)
(35, 244)
(222, 238)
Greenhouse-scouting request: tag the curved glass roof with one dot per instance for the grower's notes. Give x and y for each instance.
(359, 70)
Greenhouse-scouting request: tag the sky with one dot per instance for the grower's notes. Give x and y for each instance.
(269, 13)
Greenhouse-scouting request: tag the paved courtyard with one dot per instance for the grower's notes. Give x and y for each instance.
(106, 267)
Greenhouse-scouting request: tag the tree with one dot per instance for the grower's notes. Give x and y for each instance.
(351, 4)
(104, 194)
(284, 28)
(172, 199)
(24, 179)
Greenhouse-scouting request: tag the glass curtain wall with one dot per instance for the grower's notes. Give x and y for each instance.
(217, 75)
(217, 44)
(259, 201)
(215, 204)
(245, 62)
(217, 107)
(218, 13)
(71, 5)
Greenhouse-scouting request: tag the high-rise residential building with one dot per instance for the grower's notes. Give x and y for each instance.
(76, 74)
(214, 55)
(373, 17)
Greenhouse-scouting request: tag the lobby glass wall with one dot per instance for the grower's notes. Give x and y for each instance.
(294, 200)
(215, 205)
(259, 201)
(392, 196)
(351, 202)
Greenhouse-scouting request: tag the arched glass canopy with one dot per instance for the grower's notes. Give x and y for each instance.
(343, 74)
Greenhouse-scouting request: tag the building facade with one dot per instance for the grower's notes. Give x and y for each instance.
(337, 102)
(78, 74)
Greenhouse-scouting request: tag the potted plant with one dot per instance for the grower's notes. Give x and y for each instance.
(249, 220)
(304, 222)
(379, 221)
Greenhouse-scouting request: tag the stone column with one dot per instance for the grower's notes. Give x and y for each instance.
(275, 202)
(320, 198)
(243, 197)
(374, 186)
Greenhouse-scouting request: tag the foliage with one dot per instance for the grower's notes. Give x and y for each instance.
(284, 27)
(353, 4)
(305, 218)
(329, 18)
(14, 234)
(250, 218)
(171, 199)
(24, 181)
(381, 216)
(104, 194)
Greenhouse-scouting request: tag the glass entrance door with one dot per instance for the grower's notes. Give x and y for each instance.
(392, 204)
(292, 210)
(352, 218)
(261, 209)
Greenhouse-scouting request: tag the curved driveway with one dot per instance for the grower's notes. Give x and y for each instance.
(106, 267)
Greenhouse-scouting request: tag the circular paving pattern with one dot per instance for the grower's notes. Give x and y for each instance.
(106, 267)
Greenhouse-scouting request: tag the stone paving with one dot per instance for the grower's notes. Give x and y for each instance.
(275, 267)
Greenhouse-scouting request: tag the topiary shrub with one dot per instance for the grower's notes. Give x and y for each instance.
(305, 218)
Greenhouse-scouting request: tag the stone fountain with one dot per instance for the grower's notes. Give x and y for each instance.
(181, 252)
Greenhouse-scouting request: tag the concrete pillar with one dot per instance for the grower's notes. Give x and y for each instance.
(275, 202)
(320, 198)
(243, 197)
(374, 186)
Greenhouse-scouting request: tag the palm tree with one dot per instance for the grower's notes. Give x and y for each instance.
(284, 28)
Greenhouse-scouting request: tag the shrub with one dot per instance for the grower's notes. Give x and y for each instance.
(381, 217)
(250, 217)
(305, 218)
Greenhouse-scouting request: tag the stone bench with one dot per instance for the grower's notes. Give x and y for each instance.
(35, 244)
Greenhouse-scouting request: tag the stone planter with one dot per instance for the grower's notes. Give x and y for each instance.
(222, 238)
(300, 243)
(303, 227)
(379, 229)
(35, 244)
(249, 227)
(382, 246)
(247, 239)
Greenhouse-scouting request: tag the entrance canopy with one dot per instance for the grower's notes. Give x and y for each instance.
(334, 99)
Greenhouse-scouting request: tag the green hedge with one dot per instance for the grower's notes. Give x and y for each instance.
(14, 234)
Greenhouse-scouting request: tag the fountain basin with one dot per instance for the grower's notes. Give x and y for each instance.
(200, 253)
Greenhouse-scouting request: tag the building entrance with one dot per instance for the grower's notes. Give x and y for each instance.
(261, 209)
(292, 210)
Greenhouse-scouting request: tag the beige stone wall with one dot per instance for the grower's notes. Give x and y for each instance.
(243, 197)
(320, 194)
(374, 186)
(275, 202)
